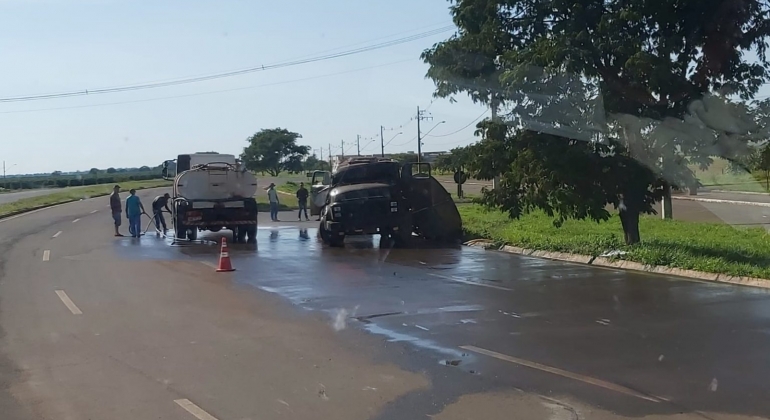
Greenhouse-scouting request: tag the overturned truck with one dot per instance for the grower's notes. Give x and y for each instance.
(366, 196)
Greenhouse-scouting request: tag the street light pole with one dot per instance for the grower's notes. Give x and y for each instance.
(382, 142)
(434, 127)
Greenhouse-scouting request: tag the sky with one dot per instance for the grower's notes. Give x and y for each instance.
(51, 46)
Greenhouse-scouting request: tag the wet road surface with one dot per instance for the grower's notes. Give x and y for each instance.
(408, 333)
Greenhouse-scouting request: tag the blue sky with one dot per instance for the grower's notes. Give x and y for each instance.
(50, 46)
(54, 46)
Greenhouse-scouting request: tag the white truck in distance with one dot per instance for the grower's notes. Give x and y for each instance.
(212, 192)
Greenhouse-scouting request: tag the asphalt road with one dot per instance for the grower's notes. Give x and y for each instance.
(97, 327)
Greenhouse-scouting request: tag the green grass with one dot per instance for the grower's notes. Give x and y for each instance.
(286, 203)
(709, 247)
(66, 195)
(717, 176)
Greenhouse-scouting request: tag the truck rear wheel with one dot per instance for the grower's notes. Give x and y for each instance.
(239, 234)
(192, 233)
(181, 230)
(251, 232)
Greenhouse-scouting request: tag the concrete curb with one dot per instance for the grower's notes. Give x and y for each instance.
(720, 201)
(739, 192)
(623, 264)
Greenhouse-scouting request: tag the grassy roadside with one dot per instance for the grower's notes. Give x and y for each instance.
(708, 247)
(67, 195)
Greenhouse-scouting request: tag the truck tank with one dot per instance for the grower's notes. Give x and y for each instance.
(215, 183)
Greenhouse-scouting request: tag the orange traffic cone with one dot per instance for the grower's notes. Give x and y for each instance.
(224, 258)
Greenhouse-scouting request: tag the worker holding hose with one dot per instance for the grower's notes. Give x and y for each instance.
(158, 204)
(134, 211)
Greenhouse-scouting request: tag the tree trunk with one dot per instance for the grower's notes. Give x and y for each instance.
(693, 188)
(666, 205)
(629, 219)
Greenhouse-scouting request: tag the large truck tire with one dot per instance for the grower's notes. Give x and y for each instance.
(239, 234)
(192, 233)
(251, 232)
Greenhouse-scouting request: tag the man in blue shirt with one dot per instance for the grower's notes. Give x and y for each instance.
(134, 210)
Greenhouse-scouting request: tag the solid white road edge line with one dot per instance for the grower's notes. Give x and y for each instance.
(472, 283)
(193, 409)
(556, 371)
(68, 302)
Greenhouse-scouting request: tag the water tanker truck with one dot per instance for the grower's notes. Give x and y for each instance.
(212, 192)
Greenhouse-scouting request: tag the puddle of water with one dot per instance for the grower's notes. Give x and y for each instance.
(395, 337)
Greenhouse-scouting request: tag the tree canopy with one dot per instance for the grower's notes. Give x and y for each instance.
(604, 102)
(274, 150)
(312, 163)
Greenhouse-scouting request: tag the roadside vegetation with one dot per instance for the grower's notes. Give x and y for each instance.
(82, 179)
(67, 195)
(709, 247)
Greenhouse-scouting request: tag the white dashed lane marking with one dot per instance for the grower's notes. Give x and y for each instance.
(56, 235)
(46, 255)
(68, 302)
(76, 220)
(193, 409)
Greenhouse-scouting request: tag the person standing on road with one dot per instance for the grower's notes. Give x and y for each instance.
(134, 210)
(272, 195)
(117, 209)
(158, 204)
(302, 196)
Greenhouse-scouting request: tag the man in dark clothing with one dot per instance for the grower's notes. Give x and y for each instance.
(302, 196)
(117, 209)
(158, 204)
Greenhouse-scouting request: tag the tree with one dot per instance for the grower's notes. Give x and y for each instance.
(404, 157)
(94, 171)
(111, 170)
(312, 163)
(56, 173)
(656, 71)
(274, 150)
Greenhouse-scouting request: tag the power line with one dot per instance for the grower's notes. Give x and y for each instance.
(198, 79)
(209, 92)
(443, 24)
(455, 132)
(402, 144)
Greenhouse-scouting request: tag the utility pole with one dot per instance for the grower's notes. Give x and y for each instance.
(420, 117)
(493, 108)
(330, 156)
(342, 149)
(358, 144)
(5, 182)
(382, 142)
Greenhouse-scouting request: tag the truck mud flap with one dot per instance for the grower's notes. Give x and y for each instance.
(434, 213)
